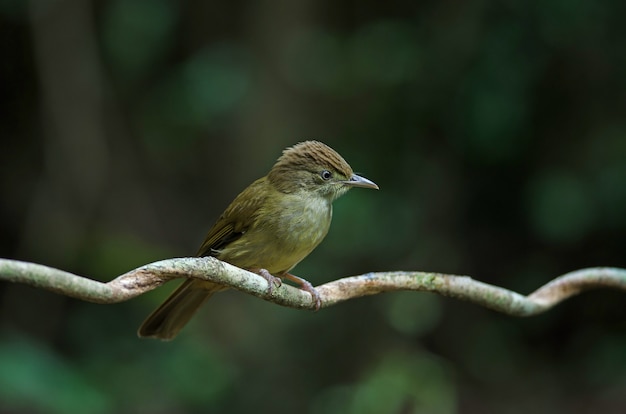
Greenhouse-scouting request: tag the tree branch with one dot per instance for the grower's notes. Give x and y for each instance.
(151, 276)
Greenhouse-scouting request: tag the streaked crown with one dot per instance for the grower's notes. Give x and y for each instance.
(308, 155)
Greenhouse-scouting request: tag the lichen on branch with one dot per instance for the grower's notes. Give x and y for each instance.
(148, 277)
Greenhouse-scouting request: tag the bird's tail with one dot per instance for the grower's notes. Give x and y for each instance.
(173, 314)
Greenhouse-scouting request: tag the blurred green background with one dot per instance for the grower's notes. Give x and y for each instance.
(495, 129)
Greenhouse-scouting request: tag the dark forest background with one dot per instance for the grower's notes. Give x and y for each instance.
(495, 129)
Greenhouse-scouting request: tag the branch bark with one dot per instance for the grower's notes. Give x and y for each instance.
(153, 275)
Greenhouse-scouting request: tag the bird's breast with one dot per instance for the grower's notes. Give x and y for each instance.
(282, 235)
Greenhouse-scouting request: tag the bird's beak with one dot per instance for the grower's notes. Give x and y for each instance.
(358, 181)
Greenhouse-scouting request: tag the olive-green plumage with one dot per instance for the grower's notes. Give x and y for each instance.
(269, 227)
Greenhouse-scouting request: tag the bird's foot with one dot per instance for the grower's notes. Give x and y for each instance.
(307, 287)
(271, 279)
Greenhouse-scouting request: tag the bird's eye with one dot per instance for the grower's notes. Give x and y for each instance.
(326, 175)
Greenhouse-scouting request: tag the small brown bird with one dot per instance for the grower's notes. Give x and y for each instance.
(268, 229)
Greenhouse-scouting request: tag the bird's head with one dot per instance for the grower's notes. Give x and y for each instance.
(315, 167)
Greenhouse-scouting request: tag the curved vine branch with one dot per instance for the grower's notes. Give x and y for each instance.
(153, 275)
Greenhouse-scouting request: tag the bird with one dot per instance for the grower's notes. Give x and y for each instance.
(268, 229)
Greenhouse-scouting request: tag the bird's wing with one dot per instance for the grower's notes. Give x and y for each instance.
(235, 220)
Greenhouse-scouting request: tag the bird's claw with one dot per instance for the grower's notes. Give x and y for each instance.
(271, 280)
(304, 285)
(307, 287)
